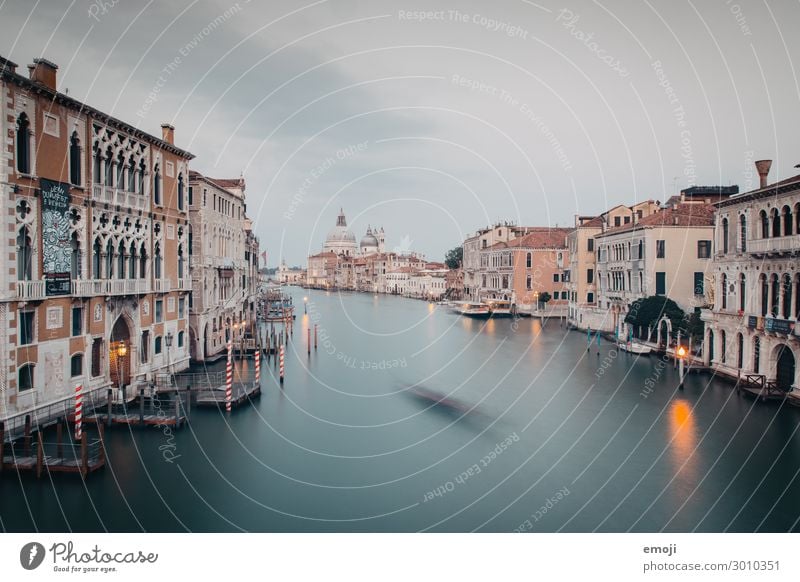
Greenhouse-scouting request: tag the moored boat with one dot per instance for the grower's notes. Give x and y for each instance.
(472, 309)
(500, 308)
(635, 348)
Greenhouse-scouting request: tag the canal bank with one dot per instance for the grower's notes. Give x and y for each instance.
(408, 417)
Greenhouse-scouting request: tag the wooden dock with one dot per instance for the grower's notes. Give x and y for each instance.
(241, 393)
(757, 386)
(158, 409)
(60, 456)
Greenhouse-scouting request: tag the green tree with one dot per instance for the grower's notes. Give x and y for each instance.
(453, 258)
(544, 297)
(648, 311)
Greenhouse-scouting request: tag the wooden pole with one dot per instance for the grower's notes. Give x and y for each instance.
(108, 418)
(27, 439)
(102, 445)
(309, 340)
(188, 400)
(39, 453)
(141, 405)
(59, 438)
(315, 336)
(84, 455)
(177, 409)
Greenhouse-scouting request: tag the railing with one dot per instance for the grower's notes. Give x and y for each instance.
(783, 244)
(185, 284)
(162, 285)
(97, 287)
(109, 195)
(30, 290)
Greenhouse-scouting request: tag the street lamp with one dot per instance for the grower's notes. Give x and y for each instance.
(122, 351)
(681, 357)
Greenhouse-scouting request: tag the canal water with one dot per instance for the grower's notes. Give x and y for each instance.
(408, 417)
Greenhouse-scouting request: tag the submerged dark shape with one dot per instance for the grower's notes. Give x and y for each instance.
(440, 401)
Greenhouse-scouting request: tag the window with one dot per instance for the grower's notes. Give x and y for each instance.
(529, 282)
(661, 283)
(703, 249)
(23, 144)
(660, 249)
(76, 365)
(25, 377)
(180, 339)
(590, 245)
(699, 282)
(157, 185)
(627, 220)
(24, 255)
(590, 276)
(181, 308)
(590, 297)
(742, 233)
(97, 357)
(724, 291)
(159, 310)
(529, 260)
(191, 196)
(180, 192)
(26, 328)
(77, 321)
(158, 345)
(75, 259)
(145, 348)
(555, 277)
(725, 235)
(641, 249)
(742, 291)
(75, 159)
(617, 221)
(157, 261)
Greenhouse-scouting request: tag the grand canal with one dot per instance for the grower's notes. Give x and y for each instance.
(534, 434)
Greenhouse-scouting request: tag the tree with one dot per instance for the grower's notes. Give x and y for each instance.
(453, 258)
(544, 297)
(647, 312)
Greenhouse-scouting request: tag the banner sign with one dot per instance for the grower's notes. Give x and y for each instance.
(56, 244)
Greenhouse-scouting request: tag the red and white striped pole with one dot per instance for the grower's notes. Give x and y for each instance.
(229, 376)
(78, 412)
(258, 365)
(281, 364)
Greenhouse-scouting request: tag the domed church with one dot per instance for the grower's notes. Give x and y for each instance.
(342, 241)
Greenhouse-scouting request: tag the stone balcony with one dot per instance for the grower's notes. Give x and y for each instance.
(774, 246)
(105, 287)
(185, 284)
(115, 196)
(30, 290)
(162, 286)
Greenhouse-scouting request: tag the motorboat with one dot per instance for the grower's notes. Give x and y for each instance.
(472, 309)
(500, 308)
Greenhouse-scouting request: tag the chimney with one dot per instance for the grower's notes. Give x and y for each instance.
(763, 166)
(168, 133)
(43, 72)
(7, 66)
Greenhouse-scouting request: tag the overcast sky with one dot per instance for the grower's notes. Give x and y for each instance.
(479, 112)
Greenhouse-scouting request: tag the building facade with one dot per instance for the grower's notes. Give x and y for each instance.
(751, 329)
(95, 283)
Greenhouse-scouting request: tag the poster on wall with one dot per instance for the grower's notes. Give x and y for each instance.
(57, 250)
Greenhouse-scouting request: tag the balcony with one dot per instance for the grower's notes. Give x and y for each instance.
(106, 287)
(774, 246)
(163, 286)
(30, 290)
(109, 195)
(185, 284)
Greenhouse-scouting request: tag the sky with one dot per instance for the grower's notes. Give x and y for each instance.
(433, 119)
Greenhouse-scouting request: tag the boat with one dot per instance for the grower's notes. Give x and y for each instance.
(500, 308)
(634, 347)
(472, 309)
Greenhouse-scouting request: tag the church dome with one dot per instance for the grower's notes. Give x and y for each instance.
(340, 240)
(369, 240)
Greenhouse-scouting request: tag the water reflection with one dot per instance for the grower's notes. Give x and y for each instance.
(682, 438)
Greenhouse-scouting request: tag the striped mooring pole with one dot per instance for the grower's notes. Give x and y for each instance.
(229, 376)
(281, 364)
(258, 365)
(78, 412)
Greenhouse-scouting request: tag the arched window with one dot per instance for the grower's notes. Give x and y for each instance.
(25, 377)
(131, 175)
(724, 291)
(143, 262)
(788, 222)
(725, 235)
(787, 296)
(97, 164)
(121, 261)
(529, 260)
(641, 281)
(742, 292)
(710, 345)
(764, 294)
(157, 349)
(776, 292)
(133, 262)
(109, 177)
(722, 347)
(75, 159)
(157, 261)
(76, 365)
(764, 224)
(180, 191)
(743, 233)
(180, 339)
(157, 185)
(140, 175)
(756, 354)
(776, 223)
(97, 252)
(180, 261)
(75, 266)
(120, 171)
(641, 249)
(109, 260)
(23, 144)
(24, 255)
(740, 351)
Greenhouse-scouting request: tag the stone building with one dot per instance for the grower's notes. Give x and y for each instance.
(95, 276)
(752, 326)
(471, 253)
(224, 258)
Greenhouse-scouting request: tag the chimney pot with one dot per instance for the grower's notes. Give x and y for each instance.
(44, 72)
(763, 166)
(168, 133)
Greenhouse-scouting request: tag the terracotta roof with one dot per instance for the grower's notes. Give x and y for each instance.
(229, 182)
(768, 190)
(435, 266)
(323, 255)
(681, 215)
(542, 237)
(595, 222)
